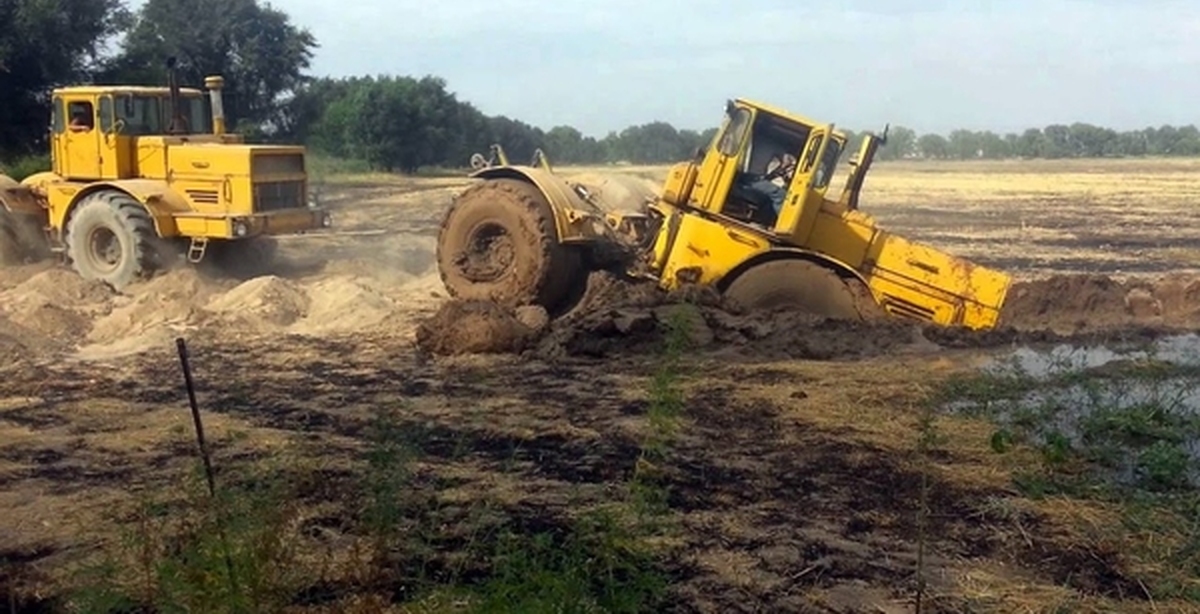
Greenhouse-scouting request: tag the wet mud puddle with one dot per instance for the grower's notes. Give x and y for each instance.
(1132, 411)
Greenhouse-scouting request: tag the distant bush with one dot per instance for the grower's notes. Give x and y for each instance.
(25, 166)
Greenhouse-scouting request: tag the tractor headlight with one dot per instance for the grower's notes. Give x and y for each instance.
(240, 228)
(326, 220)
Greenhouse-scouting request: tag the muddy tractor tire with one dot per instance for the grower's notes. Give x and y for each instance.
(802, 286)
(498, 243)
(243, 258)
(111, 238)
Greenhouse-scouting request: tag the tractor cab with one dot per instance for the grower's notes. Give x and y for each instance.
(771, 169)
(94, 128)
(108, 132)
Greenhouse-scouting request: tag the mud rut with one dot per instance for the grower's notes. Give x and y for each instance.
(771, 507)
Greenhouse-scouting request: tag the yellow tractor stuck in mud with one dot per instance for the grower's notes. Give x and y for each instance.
(143, 175)
(750, 215)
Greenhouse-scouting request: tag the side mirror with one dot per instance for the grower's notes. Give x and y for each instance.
(730, 107)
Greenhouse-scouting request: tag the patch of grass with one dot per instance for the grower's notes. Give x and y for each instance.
(1119, 437)
(232, 553)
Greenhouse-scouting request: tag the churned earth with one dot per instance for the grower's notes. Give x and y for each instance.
(793, 482)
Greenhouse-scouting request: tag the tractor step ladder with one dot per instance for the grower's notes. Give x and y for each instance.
(197, 248)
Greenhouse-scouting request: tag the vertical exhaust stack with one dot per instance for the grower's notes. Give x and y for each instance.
(214, 84)
(176, 124)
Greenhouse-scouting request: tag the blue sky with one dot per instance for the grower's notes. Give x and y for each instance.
(932, 65)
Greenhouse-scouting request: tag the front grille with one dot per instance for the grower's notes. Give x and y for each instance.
(276, 164)
(277, 195)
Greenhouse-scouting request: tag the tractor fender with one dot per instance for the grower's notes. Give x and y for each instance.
(160, 201)
(840, 268)
(575, 219)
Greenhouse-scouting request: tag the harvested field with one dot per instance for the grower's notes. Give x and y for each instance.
(403, 448)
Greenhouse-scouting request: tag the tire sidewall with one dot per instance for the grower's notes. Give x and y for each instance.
(524, 279)
(92, 215)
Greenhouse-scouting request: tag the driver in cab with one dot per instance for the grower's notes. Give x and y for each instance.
(773, 184)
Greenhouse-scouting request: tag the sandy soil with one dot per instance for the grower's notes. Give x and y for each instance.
(792, 492)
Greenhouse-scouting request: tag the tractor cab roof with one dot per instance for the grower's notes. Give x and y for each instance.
(116, 90)
(784, 114)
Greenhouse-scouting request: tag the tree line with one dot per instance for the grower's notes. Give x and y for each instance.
(390, 122)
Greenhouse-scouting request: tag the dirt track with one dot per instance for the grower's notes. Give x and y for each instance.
(784, 508)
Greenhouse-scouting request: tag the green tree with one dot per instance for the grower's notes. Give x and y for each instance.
(902, 142)
(261, 54)
(44, 44)
(933, 146)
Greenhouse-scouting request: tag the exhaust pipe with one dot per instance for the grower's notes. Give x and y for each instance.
(214, 84)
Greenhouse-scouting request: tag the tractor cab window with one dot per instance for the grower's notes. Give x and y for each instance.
(826, 165)
(141, 115)
(766, 170)
(196, 115)
(82, 116)
(735, 132)
(150, 115)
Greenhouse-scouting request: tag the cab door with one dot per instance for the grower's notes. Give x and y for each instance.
(719, 168)
(806, 192)
(82, 140)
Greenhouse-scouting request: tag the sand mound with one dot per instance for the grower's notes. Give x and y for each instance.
(63, 287)
(344, 304)
(153, 312)
(52, 323)
(473, 327)
(18, 344)
(53, 309)
(262, 302)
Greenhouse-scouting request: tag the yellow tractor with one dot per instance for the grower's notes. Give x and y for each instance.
(749, 215)
(143, 175)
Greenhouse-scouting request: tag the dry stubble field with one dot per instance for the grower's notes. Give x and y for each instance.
(817, 469)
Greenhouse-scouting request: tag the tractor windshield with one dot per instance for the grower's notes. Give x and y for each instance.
(150, 115)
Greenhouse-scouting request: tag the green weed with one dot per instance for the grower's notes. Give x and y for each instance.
(1121, 434)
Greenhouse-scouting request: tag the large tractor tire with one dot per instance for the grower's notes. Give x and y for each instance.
(498, 243)
(111, 238)
(803, 286)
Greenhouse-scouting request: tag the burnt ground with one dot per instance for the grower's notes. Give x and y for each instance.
(794, 482)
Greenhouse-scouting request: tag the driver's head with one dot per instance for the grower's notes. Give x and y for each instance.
(788, 166)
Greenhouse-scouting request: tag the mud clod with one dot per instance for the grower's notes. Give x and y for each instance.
(473, 327)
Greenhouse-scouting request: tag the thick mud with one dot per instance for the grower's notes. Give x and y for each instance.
(621, 317)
